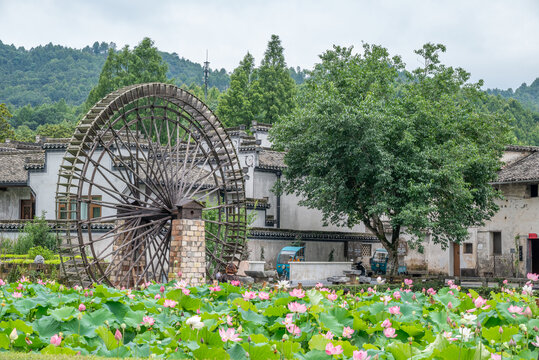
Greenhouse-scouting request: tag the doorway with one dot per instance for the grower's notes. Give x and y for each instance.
(27, 209)
(456, 259)
(535, 255)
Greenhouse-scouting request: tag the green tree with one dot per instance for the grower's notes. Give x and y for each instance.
(6, 131)
(61, 130)
(24, 133)
(142, 64)
(235, 105)
(411, 158)
(275, 87)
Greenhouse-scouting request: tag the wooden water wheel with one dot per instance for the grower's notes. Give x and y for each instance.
(136, 156)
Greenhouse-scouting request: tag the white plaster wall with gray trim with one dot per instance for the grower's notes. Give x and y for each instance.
(10, 202)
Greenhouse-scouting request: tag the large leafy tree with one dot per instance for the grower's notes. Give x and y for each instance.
(275, 87)
(408, 157)
(142, 64)
(6, 131)
(235, 106)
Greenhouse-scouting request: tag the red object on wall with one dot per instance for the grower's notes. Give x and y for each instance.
(532, 236)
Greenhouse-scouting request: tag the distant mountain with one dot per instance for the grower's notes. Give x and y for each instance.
(527, 95)
(47, 74)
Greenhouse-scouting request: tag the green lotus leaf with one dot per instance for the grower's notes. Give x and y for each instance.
(211, 353)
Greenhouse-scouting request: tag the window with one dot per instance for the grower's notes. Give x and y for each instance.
(87, 208)
(468, 248)
(366, 250)
(533, 190)
(496, 243)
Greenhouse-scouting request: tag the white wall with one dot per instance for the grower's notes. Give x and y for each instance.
(10, 202)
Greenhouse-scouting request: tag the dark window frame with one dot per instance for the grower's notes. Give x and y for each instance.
(534, 190)
(496, 243)
(468, 248)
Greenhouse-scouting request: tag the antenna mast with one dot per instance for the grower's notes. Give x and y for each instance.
(206, 74)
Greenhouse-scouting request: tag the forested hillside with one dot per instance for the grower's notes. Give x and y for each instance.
(527, 95)
(50, 73)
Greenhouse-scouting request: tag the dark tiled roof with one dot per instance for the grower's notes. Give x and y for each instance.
(525, 169)
(270, 159)
(287, 234)
(15, 164)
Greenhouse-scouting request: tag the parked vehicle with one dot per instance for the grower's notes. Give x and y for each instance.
(286, 255)
(379, 261)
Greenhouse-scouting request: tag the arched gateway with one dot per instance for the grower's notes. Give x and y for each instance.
(150, 177)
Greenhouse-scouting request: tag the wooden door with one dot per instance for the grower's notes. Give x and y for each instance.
(27, 209)
(456, 259)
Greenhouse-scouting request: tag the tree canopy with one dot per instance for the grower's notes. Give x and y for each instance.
(6, 131)
(142, 64)
(413, 157)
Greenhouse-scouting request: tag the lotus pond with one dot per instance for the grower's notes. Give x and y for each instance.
(222, 321)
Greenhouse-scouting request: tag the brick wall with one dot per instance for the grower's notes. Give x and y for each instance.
(188, 251)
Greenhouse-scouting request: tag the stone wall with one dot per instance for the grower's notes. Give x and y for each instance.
(188, 251)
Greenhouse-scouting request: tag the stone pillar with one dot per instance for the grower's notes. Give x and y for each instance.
(188, 251)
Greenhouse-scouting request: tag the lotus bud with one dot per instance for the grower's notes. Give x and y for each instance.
(107, 323)
(79, 316)
(13, 336)
(123, 326)
(500, 330)
(118, 335)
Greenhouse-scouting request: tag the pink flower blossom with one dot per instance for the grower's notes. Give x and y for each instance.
(40, 282)
(297, 307)
(235, 283)
(319, 285)
(215, 288)
(536, 343)
(505, 282)
(431, 291)
(20, 287)
(347, 332)
(448, 336)
(479, 302)
(333, 350)
(249, 295)
(186, 291)
(527, 312)
(299, 293)
(329, 335)
(514, 309)
(360, 355)
(288, 320)
(390, 332)
(332, 296)
(386, 323)
(394, 310)
(385, 299)
(263, 295)
(148, 320)
(169, 303)
(397, 295)
(118, 335)
(157, 297)
(162, 289)
(293, 329)
(450, 305)
(229, 335)
(17, 295)
(533, 277)
(56, 340)
(408, 282)
(82, 307)
(229, 320)
(2, 282)
(182, 284)
(494, 356)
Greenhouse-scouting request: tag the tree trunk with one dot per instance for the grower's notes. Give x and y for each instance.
(393, 261)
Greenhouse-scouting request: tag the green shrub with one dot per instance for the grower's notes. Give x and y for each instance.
(6, 245)
(36, 233)
(38, 250)
(14, 274)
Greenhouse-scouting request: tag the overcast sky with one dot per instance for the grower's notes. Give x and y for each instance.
(495, 40)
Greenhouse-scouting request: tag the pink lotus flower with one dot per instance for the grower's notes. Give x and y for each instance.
(394, 310)
(56, 340)
(505, 282)
(157, 297)
(449, 336)
(431, 291)
(169, 303)
(360, 355)
(2, 282)
(20, 287)
(17, 295)
(533, 277)
(40, 282)
(536, 343)
(215, 288)
(333, 350)
(514, 309)
(288, 320)
(390, 332)
(118, 335)
(332, 296)
(263, 295)
(293, 329)
(82, 307)
(450, 305)
(299, 293)
(229, 320)
(229, 335)
(162, 289)
(186, 291)
(297, 307)
(235, 283)
(347, 332)
(329, 335)
(397, 295)
(385, 299)
(249, 295)
(479, 302)
(386, 323)
(319, 285)
(182, 284)
(495, 356)
(408, 282)
(148, 320)
(527, 312)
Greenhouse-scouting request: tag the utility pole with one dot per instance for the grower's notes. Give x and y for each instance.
(206, 74)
